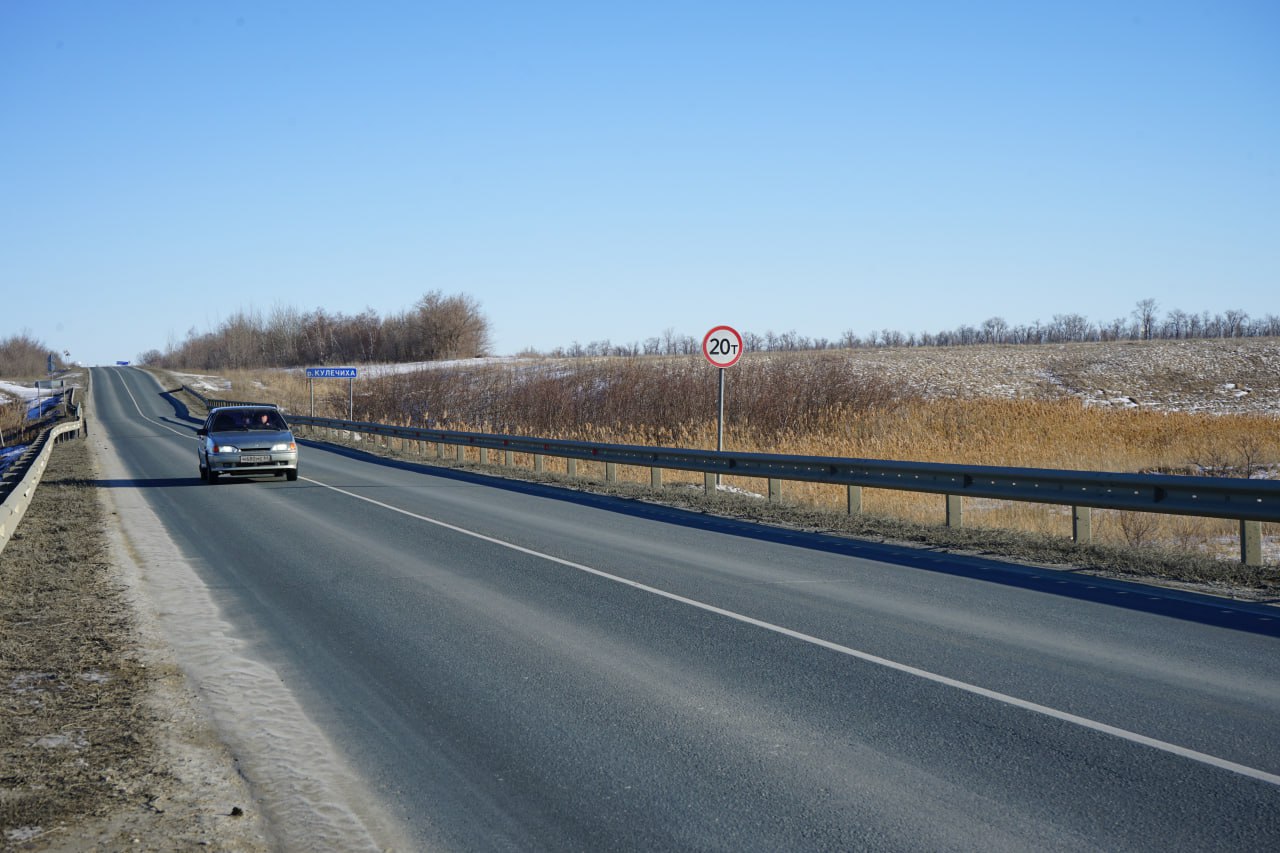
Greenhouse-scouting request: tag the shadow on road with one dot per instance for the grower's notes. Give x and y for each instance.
(182, 415)
(145, 483)
(172, 482)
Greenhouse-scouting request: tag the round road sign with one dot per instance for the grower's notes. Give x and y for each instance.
(722, 346)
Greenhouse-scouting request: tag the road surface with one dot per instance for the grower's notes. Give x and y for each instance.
(508, 666)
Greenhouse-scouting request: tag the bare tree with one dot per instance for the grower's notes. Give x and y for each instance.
(1116, 329)
(451, 327)
(1145, 316)
(994, 330)
(1069, 327)
(1234, 323)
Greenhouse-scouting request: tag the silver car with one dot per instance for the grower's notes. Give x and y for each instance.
(246, 440)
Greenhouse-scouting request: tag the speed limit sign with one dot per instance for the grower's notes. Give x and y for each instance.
(722, 346)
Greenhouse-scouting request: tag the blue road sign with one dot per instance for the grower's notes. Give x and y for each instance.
(331, 373)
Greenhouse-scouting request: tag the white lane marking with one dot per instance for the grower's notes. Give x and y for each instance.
(144, 415)
(1013, 701)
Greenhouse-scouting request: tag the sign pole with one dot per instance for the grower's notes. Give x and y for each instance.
(312, 383)
(351, 399)
(720, 418)
(720, 422)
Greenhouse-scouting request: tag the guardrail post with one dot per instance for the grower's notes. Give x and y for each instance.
(508, 458)
(440, 450)
(709, 482)
(462, 453)
(855, 500)
(1082, 525)
(484, 456)
(611, 472)
(955, 511)
(1251, 543)
(571, 467)
(775, 490)
(537, 463)
(655, 478)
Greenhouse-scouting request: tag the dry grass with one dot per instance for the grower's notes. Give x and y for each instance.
(830, 404)
(73, 736)
(12, 415)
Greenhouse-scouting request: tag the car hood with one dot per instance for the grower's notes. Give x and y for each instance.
(251, 437)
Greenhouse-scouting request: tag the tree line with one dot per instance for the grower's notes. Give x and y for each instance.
(437, 327)
(1145, 322)
(449, 327)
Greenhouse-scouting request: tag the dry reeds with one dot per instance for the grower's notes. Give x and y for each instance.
(12, 415)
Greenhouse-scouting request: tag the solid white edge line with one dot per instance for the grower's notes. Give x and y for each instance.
(1013, 701)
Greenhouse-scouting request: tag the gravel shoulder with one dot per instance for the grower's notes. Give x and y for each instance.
(103, 745)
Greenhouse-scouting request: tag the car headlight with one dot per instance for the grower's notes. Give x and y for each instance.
(225, 448)
(283, 446)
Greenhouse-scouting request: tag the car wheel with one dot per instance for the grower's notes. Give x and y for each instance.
(291, 474)
(204, 473)
(213, 476)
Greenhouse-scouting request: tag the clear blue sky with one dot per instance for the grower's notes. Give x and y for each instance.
(609, 170)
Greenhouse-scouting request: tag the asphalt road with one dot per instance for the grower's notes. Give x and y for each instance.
(513, 666)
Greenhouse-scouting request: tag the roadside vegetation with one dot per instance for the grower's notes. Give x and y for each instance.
(1044, 414)
(12, 415)
(24, 357)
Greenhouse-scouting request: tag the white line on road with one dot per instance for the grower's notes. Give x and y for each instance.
(1013, 701)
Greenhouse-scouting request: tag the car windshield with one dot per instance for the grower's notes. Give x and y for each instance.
(263, 419)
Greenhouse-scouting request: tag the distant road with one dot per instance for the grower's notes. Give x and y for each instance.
(515, 667)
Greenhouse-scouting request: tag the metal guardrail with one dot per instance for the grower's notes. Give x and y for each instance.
(1251, 502)
(14, 505)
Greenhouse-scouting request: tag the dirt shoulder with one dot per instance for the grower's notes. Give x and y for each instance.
(102, 745)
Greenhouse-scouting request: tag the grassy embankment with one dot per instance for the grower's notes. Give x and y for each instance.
(814, 405)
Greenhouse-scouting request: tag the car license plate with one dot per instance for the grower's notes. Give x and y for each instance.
(250, 458)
